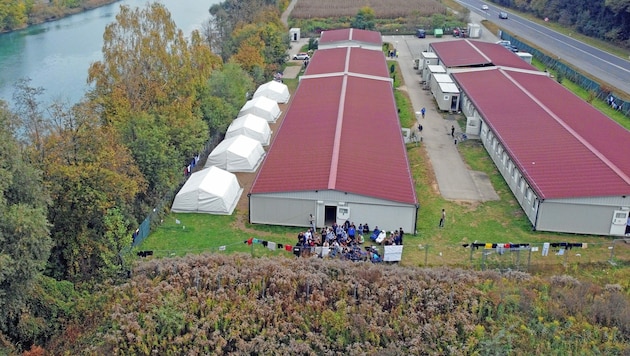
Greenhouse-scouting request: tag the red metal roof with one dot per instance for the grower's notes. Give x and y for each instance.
(467, 53)
(360, 61)
(342, 133)
(351, 34)
(564, 147)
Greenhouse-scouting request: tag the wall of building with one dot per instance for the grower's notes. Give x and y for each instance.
(294, 208)
(563, 216)
(519, 186)
(586, 215)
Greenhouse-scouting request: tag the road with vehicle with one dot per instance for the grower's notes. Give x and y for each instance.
(608, 68)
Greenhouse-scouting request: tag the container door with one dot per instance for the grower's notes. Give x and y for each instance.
(619, 222)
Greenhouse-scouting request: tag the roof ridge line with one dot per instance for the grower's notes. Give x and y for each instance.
(567, 127)
(479, 51)
(334, 162)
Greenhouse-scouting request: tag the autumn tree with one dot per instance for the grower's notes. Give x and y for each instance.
(228, 90)
(93, 182)
(13, 14)
(229, 15)
(150, 72)
(364, 19)
(34, 125)
(24, 230)
(261, 46)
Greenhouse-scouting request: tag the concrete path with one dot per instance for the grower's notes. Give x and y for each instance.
(455, 180)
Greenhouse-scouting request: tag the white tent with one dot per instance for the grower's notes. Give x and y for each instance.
(275, 91)
(237, 154)
(263, 107)
(211, 190)
(251, 126)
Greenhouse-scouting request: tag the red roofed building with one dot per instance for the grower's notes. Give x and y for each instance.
(567, 164)
(469, 53)
(339, 153)
(351, 37)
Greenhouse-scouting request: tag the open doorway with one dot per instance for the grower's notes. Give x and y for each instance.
(454, 102)
(330, 215)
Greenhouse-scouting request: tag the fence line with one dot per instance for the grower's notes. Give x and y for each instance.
(571, 74)
(526, 257)
(159, 211)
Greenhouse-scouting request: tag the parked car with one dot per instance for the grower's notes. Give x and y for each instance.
(421, 33)
(485, 7)
(301, 57)
(503, 15)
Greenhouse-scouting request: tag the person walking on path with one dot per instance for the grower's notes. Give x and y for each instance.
(423, 111)
(452, 130)
(420, 128)
(442, 218)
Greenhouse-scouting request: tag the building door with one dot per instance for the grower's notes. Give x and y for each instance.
(619, 222)
(330, 215)
(454, 102)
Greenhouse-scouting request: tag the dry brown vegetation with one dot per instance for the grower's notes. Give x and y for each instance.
(218, 304)
(383, 9)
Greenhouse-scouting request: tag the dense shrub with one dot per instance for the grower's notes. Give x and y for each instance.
(217, 304)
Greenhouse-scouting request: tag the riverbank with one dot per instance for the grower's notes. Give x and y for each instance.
(45, 12)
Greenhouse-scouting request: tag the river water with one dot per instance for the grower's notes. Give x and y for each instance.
(56, 55)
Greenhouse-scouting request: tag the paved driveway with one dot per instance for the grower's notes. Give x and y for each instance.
(455, 180)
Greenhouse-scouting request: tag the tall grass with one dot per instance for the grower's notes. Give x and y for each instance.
(382, 9)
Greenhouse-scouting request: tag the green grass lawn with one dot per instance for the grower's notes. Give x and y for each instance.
(197, 233)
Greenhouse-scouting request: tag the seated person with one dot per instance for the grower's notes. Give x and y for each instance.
(381, 237)
(366, 228)
(360, 240)
(339, 231)
(373, 254)
(351, 232)
(375, 233)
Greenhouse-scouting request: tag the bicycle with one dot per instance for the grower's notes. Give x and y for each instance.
(460, 137)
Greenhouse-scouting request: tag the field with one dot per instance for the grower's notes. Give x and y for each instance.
(382, 9)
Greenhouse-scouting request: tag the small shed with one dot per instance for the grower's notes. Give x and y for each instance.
(251, 126)
(474, 30)
(427, 59)
(438, 78)
(527, 57)
(237, 154)
(294, 33)
(429, 71)
(447, 97)
(438, 32)
(261, 106)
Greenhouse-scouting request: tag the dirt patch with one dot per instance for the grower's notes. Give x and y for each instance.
(247, 179)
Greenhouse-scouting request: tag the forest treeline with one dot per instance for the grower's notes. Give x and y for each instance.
(76, 180)
(607, 20)
(228, 305)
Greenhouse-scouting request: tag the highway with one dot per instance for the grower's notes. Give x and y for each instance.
(606, 67)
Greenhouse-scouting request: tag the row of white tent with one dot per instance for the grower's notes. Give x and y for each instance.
(215, 189)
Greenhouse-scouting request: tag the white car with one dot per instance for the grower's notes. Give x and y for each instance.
(485, 7)
(301, 56)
